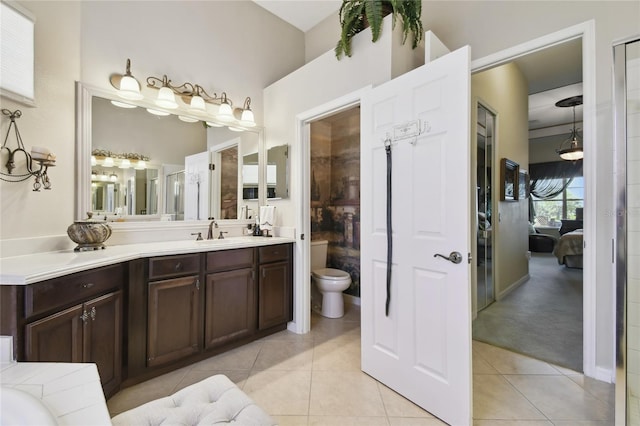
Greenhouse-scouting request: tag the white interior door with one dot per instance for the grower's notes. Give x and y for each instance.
(422, 349)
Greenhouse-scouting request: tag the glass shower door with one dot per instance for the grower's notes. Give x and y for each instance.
(627, 107)
(484, 252)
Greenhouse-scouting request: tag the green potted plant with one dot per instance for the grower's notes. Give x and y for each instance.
(356, 15)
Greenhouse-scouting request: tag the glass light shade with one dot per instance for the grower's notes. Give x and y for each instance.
(113, 177)
(225, 113)
(157, 112)
(108, 162)
(166, 98)
(236, 129)
(187, 119)
(104, 177)
(125, 163)
(214, 124)
(141, 165)
(129, 89)
(122, 104)
(247, 119)
(572, 154)
(197, 105)
(93, 160)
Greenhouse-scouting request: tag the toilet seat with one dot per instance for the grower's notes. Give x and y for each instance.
(330, 274)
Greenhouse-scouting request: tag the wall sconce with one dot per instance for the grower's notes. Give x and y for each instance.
(194, 97)
(40, 155)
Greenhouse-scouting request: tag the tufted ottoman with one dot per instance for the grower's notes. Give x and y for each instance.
(213, 401)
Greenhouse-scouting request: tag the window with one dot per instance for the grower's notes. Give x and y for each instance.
(562, 206)
(16, 54)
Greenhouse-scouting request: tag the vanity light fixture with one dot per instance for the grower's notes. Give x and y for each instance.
(195, 100)
(127, 85)
(570, 149)
(125, 163)
(36, 163)
(140, 165)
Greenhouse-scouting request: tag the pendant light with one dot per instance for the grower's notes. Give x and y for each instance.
(570, 149)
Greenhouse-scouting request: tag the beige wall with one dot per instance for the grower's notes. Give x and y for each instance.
(25, 213)
(503, 90)
(233, 46)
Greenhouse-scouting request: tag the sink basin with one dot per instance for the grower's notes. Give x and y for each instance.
(21, 408)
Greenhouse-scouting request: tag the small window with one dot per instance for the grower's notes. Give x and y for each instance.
(17, 54)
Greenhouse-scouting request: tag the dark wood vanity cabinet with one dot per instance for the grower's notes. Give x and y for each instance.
(173, 308)
(70, 319)
(275, 293)
(230, 308)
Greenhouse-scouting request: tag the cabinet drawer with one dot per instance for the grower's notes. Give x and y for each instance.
(59, 292)
(274, 253)
(168, 266)
(225, 260)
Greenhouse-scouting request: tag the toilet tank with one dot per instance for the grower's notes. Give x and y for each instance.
(318, 254)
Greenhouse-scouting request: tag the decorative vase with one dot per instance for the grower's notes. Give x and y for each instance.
(89, 234)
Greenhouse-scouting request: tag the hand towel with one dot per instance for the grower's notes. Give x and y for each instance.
(267, 217)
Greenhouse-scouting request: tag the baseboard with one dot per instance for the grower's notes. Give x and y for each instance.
(512, 287)
(604, 375)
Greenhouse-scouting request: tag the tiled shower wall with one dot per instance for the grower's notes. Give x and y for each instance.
(335, 191)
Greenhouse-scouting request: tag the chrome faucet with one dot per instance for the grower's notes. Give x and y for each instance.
(211, 226)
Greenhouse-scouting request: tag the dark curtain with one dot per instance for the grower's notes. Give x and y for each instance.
(548, 180)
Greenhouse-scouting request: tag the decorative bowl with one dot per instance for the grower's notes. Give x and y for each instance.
(89, 234)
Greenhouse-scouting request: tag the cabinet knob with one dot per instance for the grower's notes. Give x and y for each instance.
(84, 317)
(197, 283)
(93, 313)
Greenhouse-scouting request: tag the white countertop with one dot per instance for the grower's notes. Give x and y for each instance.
(28, 269)
(71, 392)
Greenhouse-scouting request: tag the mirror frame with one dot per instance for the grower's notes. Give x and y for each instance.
(84, 95)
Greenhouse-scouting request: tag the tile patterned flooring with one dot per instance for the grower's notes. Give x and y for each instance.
(315, 379)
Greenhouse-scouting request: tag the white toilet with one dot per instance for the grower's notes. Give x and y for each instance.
(330, 282)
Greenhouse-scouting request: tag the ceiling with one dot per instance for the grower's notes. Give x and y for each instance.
(553, 74)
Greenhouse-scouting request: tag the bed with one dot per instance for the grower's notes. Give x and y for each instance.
(569, 249)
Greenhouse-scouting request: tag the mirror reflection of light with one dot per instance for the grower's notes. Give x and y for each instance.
(236, 129)
(141, 165)
(187, 119)
(125, 163)
(108, 162)
(157, 112)
(93, 160)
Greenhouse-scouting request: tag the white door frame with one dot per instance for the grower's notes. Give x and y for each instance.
(302, 293)
(585, 31)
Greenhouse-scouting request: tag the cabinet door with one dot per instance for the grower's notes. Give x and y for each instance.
(56, 338)
(274, 294)
(102, 337)
(172, 319)
(230, 311)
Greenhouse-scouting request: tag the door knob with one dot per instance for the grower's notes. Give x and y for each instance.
(454, 257)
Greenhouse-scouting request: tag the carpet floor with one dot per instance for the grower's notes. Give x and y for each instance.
(542, 318)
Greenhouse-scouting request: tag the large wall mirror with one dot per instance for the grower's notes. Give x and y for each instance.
(169, 175)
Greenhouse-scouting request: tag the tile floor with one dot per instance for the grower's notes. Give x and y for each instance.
(315, 379)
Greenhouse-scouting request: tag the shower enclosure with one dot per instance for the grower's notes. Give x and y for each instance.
(485, 135)
(627, 136)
